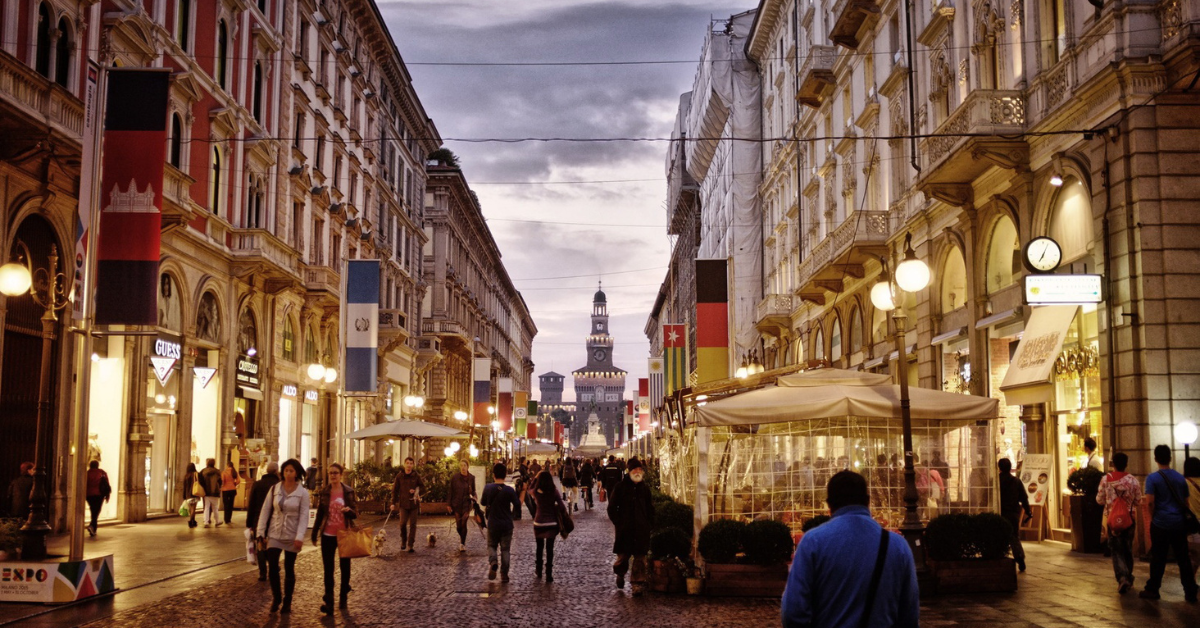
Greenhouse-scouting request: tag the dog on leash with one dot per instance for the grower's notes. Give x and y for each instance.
(378, 541)
(432, 539)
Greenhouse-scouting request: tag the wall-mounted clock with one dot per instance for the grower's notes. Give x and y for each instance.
(1042, 255)
(598, 354)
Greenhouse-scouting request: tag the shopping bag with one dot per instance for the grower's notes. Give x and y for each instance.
(603, 494)
(183, 509)
(354, 543)
(251, 550)
(566, 524)
(197, 488)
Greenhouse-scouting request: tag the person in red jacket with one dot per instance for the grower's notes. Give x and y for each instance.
(98, 491)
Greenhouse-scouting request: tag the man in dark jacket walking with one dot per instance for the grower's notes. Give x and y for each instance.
(631, 510)
(210, 479)
(610, 475)
(258, 496)
(1013, 499)
(406, 497)
(462, 500)
(501, 502)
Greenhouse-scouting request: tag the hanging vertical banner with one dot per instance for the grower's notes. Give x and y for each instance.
(520, 412)
(630, 410)
(481, 392)
(712, 320)
(362, 325)
(85, 217)
(655, 366)
(558, 433)
(675, 366)
(131, 181)
(643, 405)
(504, 403)
(531, 430)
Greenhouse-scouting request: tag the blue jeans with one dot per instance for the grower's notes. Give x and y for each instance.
(504, 541)
(1120, 544)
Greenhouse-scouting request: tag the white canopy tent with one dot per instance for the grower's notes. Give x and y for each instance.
(389, 430)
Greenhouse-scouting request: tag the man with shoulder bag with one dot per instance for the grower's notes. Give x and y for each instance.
(1120, 494)
(1170, 523)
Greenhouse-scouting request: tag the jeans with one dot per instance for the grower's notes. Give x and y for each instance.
(289, 573)
(504, 541)
(1120, 544)
(548, 546)
(408, 526)
(210, 508)
(1161, 541)
(227, 502)
(94, 504)
(460, 523)
(328, 551)
(622, 566)
(1018, 551)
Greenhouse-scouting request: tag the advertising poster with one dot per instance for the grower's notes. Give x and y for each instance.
(56, 582)
(1035, 477)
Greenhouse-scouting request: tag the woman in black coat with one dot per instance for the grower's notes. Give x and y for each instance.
(631, 510)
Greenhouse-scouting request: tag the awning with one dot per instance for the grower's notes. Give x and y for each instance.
(1029, 377)
(251, 393)
(953, 334)
(1002, 317)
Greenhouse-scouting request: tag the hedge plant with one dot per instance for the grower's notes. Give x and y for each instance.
(967, 537)
(674, 515)
(767, 542)
(721, 540)
(671, 543)
(1085, 481)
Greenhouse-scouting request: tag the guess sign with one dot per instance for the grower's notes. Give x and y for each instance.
(168, 348)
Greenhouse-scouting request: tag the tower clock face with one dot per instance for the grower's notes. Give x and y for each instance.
(1042, 255)
(598, 354)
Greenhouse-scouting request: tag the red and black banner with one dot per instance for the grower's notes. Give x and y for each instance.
(712, 320)
(131, 194)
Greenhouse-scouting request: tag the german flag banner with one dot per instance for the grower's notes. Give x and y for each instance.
(712, 320)
(131, 195)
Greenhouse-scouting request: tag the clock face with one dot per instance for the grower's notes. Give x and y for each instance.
(1042, 255)
(598, 354)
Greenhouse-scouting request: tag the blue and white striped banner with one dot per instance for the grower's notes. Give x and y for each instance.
(362, 324)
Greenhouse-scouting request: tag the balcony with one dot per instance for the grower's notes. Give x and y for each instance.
(41, 102)
(682, 190)
(177, 201)
(393, 329)
(849, 18)
(972, 140)
(816, 76)
(451, 333)
(258, 252)
(843, 253)
(323, 284)
(774, 314)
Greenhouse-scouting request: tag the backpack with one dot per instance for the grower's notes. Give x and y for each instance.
(1120, 518)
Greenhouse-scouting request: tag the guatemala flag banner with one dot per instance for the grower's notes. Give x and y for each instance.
(362, 325)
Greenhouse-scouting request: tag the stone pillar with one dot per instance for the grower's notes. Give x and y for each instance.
(133, 462)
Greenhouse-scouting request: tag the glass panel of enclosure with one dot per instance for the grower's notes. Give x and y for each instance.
(1076, 408)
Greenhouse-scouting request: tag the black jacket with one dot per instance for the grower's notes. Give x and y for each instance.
(210, 479)
(610, 475)
(258, 495)
(323, 508)
(631, 510)
(1013, 497)
(18, 496)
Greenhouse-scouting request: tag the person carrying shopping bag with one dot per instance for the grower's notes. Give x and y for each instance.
(283, 520)
(337, 508)
(258, 496)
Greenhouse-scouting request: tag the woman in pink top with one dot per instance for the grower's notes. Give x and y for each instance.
(337, 510)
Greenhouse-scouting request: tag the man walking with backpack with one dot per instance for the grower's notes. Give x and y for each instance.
(1120, 493)
(1013, 499)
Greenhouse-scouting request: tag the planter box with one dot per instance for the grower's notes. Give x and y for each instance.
(371, 506)
(975, 576)
(434, 508)
(1086, 518)
(745, 580)
(666, 577)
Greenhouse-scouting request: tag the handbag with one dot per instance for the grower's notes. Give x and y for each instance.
(1120, 518)
(1190, 524)
(354, 543)
(197, 487)
(603, 494)
(566, 524)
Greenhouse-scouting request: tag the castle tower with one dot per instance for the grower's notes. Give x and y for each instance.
(600, 386)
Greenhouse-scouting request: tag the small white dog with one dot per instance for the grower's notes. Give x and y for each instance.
(378, 541)
(432, 540)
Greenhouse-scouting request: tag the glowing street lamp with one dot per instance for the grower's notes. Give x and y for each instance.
(1186, 433)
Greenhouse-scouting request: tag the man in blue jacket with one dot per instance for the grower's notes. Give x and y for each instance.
(501, 502)
(833, 568)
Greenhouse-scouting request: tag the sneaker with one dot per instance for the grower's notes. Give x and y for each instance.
(208, 525)
(1190, 598)
(1124, 588)
(620, 581)
(462, 548)
(1147, 594)
(492, 572)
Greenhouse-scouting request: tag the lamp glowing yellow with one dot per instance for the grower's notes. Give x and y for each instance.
(1186, 433)
(330, 376)
(881, 296)
(15, 279)
(316, 372)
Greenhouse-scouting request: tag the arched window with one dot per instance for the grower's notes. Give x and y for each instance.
(219, 65)
(258, 91)
(311, 353)
(62, 58)
(289, 340)
(247, 333)
(41, 54)
(1071, 220)
(170, 314)
(879, 326)
(175, 146)
(208, 318)
(1003, 250)
(214, 191)
(183, 23)
(856, 331)
(954, 281)
(835, 340)
(819, 345)
(255, 192)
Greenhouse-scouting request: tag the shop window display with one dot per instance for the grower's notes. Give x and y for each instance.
(1076, 405)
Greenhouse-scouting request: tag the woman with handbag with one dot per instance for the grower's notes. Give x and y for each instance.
(190, 483)
(337, 508)
(545, 521)
(283, 520)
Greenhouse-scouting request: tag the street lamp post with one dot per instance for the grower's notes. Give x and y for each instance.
(1186, 433)
(322, 375)
(912, 275)
(51, 290)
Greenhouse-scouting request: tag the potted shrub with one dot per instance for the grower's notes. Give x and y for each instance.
(435, 499)
(675, 515)
(10, 537)
(968, 553)
(1086, 514)
(669, 550)
(745, 560)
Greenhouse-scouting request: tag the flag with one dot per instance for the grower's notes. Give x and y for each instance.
(362, 324)
(558, 432)
(531, 430)
(712, 321)
(481, 392)
(504, 403)
(629, 421)
(674, 358)
(520, 413)
(643, 405)
(131, 194)
(656, 385)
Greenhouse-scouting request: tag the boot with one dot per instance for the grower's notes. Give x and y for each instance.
(327, 607)
(537, 570)
(550, 572)
(345, 593)
(287, 605)
(274, 604)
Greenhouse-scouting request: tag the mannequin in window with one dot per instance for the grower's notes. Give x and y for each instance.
(93, 447)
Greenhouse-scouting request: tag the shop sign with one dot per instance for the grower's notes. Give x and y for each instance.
(57, 582)
(204, 374)
(247, 371)
(310, 396)
(1035, 477)
(168, 348)
(1062, 289)
(289, 390)
(163, 367)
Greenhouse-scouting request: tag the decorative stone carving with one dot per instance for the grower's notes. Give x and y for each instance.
(1171, 17)
(1007, 110)
(941, 76)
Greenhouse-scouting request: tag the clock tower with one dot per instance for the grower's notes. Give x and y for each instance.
(600, 386)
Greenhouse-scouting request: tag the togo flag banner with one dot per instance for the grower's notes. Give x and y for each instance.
(362, 324)
(131, 194)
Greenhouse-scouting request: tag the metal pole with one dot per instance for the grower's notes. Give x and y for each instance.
(912, 529)
(33, 533)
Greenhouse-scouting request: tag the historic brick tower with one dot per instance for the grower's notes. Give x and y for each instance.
(600, 386)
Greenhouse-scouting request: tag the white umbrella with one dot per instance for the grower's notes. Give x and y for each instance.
(832, 393)
(406, 429)
(539, 449)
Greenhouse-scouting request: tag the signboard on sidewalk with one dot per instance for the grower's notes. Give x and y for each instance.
(56, 582)
(1035, 477)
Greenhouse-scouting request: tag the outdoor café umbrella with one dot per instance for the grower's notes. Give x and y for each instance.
(406, 429)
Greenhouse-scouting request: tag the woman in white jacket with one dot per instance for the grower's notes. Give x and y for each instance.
(283, 523)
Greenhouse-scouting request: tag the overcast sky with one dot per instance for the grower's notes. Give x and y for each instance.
(622, 239)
